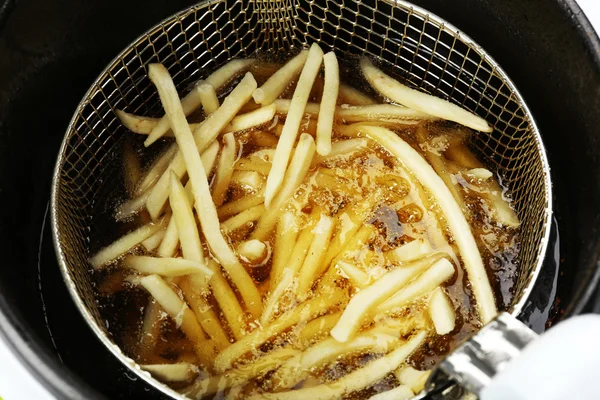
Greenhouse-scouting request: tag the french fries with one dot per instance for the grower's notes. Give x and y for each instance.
(359, 379)
(205, 208)
(180, 312)
(204, 135)
(193, 100)
(368, 298)
(280, 80)
(285, 145)
(170, 242)
(457, 223)
(420, 101)
(412, 378)
(433, 277)
(165, 266)
(179, 372)
(240, 205)
(441, 312)
(409, 251)
(286, 234)
(224, 169)
(296, 173)
(330, 94)
(228, 303)
(349, 95)
(317, 329)
(154, 241)
(243, 218)
(398, 393)
(252, 251)
(185, 221)
(124, 244)
(304, 312)
(208, 97)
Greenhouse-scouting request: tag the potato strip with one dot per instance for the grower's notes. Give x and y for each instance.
(352, 96)
(243, 218)
(165, 266)
(304, 312)
(205, 207)
(237, 206)
(180, 312)
(439, 272)
(317, 329)
(179, 372)
(328, 101)
(154, 241)
(329, 350)
(170, 241)
(208, 319)
(187, 230)
(458, 225)
(441, 312)
(203, 137)
(398, 393)
(124, 244)
(420, 101)
(193, 99)
(367, 299)
(294, 177)
(208, 97)
(288, 136)
(280, 80)
(224, 169)
(156, 170)
(287, 233)
(228, 303)
(354, 381)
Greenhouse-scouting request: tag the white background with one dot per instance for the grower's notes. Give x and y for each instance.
(17, 384)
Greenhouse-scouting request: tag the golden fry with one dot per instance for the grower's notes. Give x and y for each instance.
(330, 94)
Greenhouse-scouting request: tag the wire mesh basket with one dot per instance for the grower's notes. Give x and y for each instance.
(411, 43)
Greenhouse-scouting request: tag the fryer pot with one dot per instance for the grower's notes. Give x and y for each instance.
(548, 50)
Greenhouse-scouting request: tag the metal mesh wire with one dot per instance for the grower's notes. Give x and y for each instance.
(411, 43)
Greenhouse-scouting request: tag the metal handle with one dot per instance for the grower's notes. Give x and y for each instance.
(474, 363)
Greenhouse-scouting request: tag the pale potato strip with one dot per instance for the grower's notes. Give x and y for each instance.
(458, 225)
(150, 330)
(208, 97)
(303, 312)
(328, 101)
(240, 375)
(367, 299)
(237, 206)
(165, 266)
(352, 96)
(299, 367)
(156, 170)
(409, 251)
(131, 207)
(286, 235)
(359, 278)
(401, 392)
(280, 80)
(317, 329)
(187, 230)
(426, 282)
(136, 123)
(252, 251)
(224, 169)
(244, 164)
(344, 148)
(248, 180)
(355, 243)
(154, 241)
(442, 312)
(284, 106)
(272, 304)
(356, 380)
(124, 244)
(179, 372)
(205, 208)
(348, 225)
(170, 241)
(312, 266)
(378, 112)
(294, 177)
(180, 312)
(251, 119)
(412, 378)
(228, 302)
(193, 100)
(243, 218)
(203, 137)
(205, 315)
(420, 101)
(286, 142)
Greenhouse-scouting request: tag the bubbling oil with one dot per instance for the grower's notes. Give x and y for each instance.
(400, 211)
